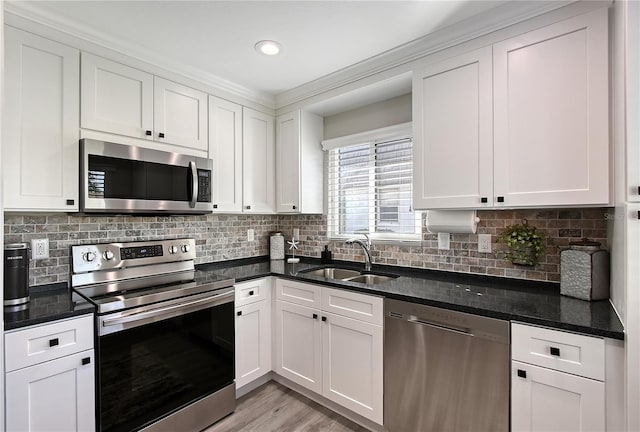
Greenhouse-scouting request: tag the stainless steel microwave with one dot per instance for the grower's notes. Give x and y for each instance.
(116, 178)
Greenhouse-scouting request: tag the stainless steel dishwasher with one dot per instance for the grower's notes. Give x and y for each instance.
(444, 370)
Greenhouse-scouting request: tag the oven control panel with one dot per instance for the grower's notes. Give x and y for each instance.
(106, 256)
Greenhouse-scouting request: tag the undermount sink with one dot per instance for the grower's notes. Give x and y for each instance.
(350, 275)
(372, 279)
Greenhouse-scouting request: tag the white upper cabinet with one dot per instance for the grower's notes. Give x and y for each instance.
(122, 100)
(225, 149)
(258, 194)
(551, 114)
(40, 126)
(299, 159)
(523, 123)
(116, 98)
(453, 150)
(179, 114)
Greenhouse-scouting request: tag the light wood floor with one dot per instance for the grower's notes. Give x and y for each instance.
(273, 407)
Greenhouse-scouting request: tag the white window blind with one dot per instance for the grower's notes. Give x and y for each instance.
(370, 191)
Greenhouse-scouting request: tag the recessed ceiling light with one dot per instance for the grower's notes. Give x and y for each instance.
(268, 47)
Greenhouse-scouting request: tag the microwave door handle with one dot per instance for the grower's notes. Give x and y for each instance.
(194, 184)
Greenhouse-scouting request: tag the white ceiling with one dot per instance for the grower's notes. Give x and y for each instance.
(217, 37)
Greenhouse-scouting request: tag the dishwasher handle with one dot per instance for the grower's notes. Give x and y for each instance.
(463, 331)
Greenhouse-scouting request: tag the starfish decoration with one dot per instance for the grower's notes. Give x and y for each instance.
(293, 245)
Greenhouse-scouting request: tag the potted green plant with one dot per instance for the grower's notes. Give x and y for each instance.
(524, 244)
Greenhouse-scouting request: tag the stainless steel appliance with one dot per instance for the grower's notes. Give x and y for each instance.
(165, 335)
(16, 274)
(444, 370)
(117, 178)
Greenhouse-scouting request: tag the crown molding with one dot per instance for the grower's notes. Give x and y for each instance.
(32, 12)
(499, 18)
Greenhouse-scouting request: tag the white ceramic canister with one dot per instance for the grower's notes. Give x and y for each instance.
(584, 271)
(276, 246)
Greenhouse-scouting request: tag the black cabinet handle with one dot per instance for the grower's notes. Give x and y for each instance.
(248, 207)
(250, 293)
(638, 190)
(522, 373)
(500, 199)
(239, 313)
(147, 133)
(86, 360)
(54, 342)
(324, 318)
(554, 351)
(315, 316)
(638, 214)
(161, 135)
(484, 200)
(71, 202)
(294, 207)
(215, 206)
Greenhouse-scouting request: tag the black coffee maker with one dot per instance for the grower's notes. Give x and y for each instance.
(16, 274)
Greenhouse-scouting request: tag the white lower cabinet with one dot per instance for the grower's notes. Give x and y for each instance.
(332, 354)
(557, 380)
(253, 330)
(50, 382)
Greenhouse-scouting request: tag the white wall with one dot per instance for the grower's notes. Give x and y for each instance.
(375, 116)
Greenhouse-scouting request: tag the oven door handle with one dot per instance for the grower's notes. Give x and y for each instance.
(194, 184)
(158, 314)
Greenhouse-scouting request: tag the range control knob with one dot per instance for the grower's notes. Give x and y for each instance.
(108, 255)
(173, 249)
(185, 248)
(89, 256)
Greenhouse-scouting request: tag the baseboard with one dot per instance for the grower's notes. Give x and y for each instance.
(249, 387)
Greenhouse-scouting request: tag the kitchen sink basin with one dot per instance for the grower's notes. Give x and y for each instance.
(372, 279)
(334, 273)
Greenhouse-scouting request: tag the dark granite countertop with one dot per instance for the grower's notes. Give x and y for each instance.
(48, 303)
(509, 299)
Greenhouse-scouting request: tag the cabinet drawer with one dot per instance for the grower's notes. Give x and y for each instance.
(351, 304)
(252, 291)
(299, 293)
(42, 343)
(562, 351)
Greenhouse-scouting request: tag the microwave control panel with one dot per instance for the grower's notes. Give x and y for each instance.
(204, 186)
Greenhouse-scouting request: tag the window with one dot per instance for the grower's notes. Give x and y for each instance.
(370, 187)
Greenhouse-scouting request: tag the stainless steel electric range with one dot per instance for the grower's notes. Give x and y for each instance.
(165, 335)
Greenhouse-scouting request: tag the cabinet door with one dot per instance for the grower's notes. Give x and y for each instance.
(352, 365)
(225, 148)
(253, 341)
(116, 98)
(288, 163)
(452, 127)
(298, 345)
(551, 114)
(179, 114)
(53, 396)
(258, 149)
(40, 139)
(548, 400)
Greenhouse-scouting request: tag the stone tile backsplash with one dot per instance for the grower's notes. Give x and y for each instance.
(224, 237)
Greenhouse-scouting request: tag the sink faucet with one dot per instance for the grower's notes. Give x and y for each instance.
(366, 247)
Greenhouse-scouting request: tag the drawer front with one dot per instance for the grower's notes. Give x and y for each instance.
(558, 350)
(252, 291)
(351, 304)
(38, 344)
(299, 293)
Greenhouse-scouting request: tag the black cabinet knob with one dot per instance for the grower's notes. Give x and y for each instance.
(294, 207)
(250, 293)
(147, 133)
(239, 313)
(315, 316)
(484, 200)
(638, 190)
(554, 351)
(86, 360)
(71, 202)
(215, 206)
(522, 373)
(638, 214)
(248, 207)
(54, 342)
(324, 318)
(500, 199)
(161, 135)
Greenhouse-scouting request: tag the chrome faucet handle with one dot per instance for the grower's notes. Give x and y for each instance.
(368, 242)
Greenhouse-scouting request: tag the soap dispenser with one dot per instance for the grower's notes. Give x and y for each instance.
(325, 255)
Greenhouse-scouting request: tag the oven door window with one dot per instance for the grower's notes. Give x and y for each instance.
(149, 371)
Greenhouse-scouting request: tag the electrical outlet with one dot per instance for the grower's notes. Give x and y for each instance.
(40, 248)
(443, 241)
(296, 233)
(484, 243)
(250, 234)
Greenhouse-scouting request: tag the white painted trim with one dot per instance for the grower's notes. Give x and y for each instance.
(398, 131)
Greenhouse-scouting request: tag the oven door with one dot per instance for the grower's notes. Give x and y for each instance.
(126, 179)
(156, 360)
